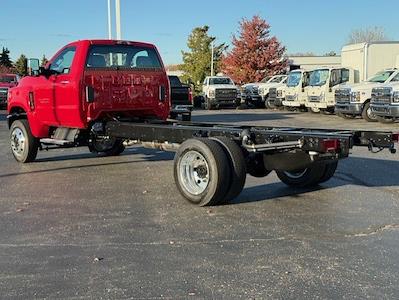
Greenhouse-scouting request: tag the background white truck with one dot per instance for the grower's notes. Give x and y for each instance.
(296, 92)
(220, 90)
(354, 100)
(263, 88)
(322, 85)
(385, 102)
(377, 59)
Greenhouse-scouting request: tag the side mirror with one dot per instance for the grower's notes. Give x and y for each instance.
(33, 66)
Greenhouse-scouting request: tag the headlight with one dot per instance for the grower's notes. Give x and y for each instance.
(279, 94)
(355, 96)
(396, 97)
(212, 93)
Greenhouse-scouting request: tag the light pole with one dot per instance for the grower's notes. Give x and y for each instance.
(212, 58)
(118, 19)
(109, 21)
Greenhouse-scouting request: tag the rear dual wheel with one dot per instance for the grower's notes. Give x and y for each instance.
(106, 146)
(308, 177)
(209, 172)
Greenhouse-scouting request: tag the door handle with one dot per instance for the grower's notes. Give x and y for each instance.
(64, 82)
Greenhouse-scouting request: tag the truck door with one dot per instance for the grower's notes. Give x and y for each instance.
(43, 100)
(66, 89)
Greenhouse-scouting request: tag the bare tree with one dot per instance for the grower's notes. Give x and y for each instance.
(301, 54)
(367, 35)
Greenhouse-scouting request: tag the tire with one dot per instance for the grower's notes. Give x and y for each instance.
(314, 110)
(173, 116)
(329, 171)
(269, 104)
(237, 103)
(327, 111)
(308, 177)
(202, 172)
(238, 169)
(385, 120)
(256, 167)
(345, 116)
(24, 145)
(208, 104)
(367, 114)
(114, 147)
(186, 117)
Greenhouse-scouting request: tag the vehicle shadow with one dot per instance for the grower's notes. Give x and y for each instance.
(146, 155)
(247, 117)
(366, 172)
(150, 155)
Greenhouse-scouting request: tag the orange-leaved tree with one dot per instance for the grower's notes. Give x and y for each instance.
(255, 53)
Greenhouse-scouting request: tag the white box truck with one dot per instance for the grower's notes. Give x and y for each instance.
(377, 59)
(296, 90)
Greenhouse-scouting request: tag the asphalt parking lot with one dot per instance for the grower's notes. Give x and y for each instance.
(76, 226)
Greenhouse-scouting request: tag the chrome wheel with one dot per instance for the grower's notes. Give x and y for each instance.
(295, 174)
(194, 172)
(18, 142)
(370, 114)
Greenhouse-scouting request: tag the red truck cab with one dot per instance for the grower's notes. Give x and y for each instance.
(93, 79)
(89, 82)
(7, 81)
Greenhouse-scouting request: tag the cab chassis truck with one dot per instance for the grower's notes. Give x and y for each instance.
(211, 161)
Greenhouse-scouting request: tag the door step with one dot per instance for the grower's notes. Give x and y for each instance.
(63, 137)
(56, 142)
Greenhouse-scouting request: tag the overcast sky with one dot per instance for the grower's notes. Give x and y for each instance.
(37, 27)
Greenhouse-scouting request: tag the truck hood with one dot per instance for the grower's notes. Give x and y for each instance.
(222, 86)
(7, 85)
(357, 87)
(393, 85)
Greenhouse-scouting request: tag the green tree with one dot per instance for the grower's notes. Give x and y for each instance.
(197, 61)
(5, 58)
(21, 65)
(44, 60)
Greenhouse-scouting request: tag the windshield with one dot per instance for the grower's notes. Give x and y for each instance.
(294, 78)
(220, 80)
(266, 79)
(319, 77)
(381, 77)
(277, 79)
(8, 79)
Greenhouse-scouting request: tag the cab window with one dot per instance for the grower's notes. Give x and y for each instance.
(63, 62)
(123, 56)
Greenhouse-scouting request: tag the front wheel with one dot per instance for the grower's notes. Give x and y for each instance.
(345, 116)
(24, 145)
(367, 113)
(315, 110)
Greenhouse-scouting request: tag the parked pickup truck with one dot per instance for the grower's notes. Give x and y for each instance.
(220, 90)
(181, 98)
(385, 102)
(101, 93)
(264, 88)
(354, 100)
(7, 81)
